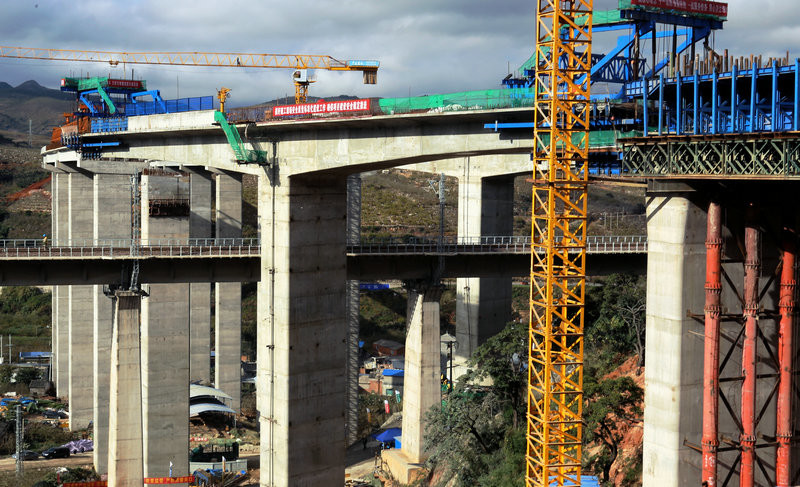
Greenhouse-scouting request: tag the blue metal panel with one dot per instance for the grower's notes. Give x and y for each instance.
(678, 105)
(644, 104)
(734, 100)
(796, 117)
(774, 122)
(661, 104)
(696, 103)
(751, 126)
(714, 104)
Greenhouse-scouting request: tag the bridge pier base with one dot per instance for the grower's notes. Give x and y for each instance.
(302, 330)
(483, 305)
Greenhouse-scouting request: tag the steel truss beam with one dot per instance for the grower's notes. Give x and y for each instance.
(555, 360)
(768, 155)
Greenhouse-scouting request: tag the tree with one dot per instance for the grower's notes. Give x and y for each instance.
(608, 404)
(475, 435)
(615, 318)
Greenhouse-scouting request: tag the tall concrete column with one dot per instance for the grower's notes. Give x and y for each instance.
(201, 194)
(165, 348)
(61, 310)
(421, 386)
(302, 330)
(54, 344)
(353, 307)
(673, 377)
(81, 308)
(483, 305)
(125, 398)
(228, 295)
(112, 220)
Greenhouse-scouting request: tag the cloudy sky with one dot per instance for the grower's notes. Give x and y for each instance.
(425, 47)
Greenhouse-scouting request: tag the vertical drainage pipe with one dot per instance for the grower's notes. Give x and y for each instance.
(783, 466)
(711, 345)
(752, 270)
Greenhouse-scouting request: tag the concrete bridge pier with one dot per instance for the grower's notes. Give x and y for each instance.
(125, 397)
(421, 384)
(228, 295)
(201, 193)
(483, 305)
(80, 227)
(59, 236)
(673, 391)
(676, 282)
(111, 220)
(165, 341)
(302, 329)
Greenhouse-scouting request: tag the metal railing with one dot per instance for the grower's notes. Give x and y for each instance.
(121, 248)
(241, 247)
(490, 245)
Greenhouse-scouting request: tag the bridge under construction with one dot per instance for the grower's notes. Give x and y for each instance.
(716, 137)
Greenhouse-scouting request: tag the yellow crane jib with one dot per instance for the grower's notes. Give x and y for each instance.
(369, 68)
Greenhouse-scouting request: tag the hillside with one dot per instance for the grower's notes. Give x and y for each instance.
(31, 101)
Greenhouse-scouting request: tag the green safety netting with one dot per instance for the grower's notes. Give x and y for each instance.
(605, 17)
(465, 100)
(602, 138)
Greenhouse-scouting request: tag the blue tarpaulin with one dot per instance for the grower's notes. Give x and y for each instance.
(393, 372)
(387, 435)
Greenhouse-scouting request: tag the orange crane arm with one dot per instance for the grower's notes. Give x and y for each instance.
(369, 68)
(220, 59)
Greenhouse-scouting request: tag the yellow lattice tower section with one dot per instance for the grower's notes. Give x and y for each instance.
(558, 260)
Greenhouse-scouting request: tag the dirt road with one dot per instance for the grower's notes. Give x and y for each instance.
(8, 464)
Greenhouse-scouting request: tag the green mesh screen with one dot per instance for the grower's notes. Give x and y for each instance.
(465, 100)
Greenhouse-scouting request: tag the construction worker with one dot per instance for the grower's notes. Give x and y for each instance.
(44, 240)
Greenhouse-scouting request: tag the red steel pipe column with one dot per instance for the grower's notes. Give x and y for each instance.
(752, 270)
(711, 345)
(785, 338)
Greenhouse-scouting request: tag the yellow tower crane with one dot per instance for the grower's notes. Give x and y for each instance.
(298, 62)
(558, 262)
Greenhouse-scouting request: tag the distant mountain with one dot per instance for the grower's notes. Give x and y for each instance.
(32, 101)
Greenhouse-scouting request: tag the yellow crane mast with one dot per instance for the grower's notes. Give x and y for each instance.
(299, 62)
(558, 262)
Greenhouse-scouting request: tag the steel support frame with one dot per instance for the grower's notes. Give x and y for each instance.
(558, 264)
(752, 271)
(788, 288)
(710, 439)
(743, 155)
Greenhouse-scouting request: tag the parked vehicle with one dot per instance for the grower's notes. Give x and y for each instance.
(26, 455)
(56, 452)
(80, 446)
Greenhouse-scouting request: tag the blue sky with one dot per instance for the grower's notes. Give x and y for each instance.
(432, 46)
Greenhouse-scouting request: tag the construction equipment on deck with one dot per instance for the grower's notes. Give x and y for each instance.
(222, 95)
(302, 62)
(558, 265)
